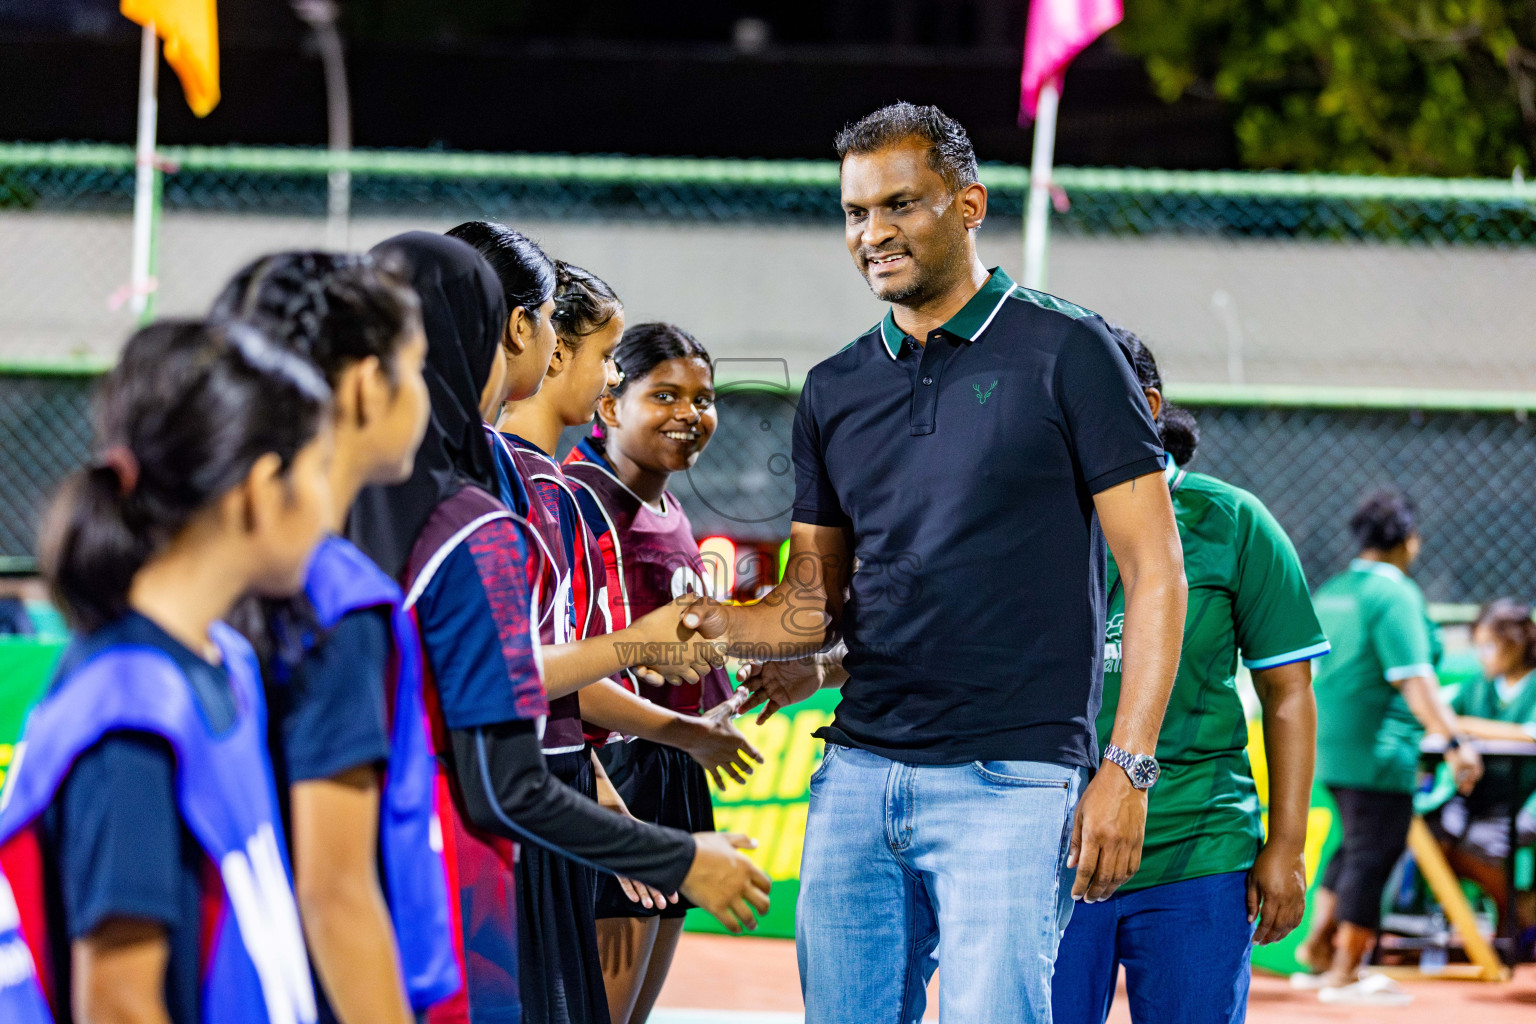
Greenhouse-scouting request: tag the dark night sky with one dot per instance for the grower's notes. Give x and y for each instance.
(673, 77)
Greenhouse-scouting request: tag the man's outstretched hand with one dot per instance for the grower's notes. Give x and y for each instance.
(775, 685)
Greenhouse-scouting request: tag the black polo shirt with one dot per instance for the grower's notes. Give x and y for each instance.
(966, 468)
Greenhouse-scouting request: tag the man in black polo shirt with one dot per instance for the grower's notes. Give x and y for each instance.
(959, 468)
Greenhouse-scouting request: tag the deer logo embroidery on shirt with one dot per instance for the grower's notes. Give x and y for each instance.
(982, 396)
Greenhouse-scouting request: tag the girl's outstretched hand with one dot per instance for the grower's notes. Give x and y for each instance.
(724, 882)
(719, 747)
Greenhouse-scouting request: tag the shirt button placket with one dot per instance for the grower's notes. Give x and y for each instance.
(925, 401)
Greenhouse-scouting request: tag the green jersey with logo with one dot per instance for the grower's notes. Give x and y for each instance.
(1379, 624)
(1247, 597)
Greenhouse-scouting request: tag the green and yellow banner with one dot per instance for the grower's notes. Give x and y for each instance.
(26, 665)
(772, 806)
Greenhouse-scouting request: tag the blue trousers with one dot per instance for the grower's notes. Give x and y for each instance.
(910, 867)
(1185, 947)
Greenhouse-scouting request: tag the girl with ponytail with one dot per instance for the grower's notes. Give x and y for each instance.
(341, 661)
(142, 778)
(1211, 883)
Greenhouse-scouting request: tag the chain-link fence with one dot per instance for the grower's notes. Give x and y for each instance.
(45, 433)
(1274, 302)
(1473, 474)
(1239, 278)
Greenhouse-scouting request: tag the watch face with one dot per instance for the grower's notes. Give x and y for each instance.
(1144, 771)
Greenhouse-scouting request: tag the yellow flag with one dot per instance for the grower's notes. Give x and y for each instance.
(190, 29)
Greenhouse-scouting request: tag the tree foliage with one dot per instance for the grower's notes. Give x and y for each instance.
(1439, 87)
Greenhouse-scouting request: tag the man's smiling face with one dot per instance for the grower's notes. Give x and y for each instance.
(904, 227)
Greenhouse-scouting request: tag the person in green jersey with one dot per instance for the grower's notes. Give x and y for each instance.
(1474, 829)
(1184, 924)
(1377, 695)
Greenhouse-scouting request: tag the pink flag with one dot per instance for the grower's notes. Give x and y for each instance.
(1057, 31)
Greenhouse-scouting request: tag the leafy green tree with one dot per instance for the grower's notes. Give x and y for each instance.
(1440, 87)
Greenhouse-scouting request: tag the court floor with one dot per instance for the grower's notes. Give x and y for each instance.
(723, 980)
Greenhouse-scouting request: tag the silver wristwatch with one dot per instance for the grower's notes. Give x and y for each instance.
(1142, 768)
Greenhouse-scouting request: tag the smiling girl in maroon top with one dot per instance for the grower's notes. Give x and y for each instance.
(655, 422)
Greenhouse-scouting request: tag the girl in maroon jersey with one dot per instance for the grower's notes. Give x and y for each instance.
(655, 422)
(474, 574)
(560, 974)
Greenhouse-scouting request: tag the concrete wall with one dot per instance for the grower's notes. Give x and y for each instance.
(1261, 311)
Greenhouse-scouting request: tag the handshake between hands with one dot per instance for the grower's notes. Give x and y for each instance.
(679, 644)
(692, 637)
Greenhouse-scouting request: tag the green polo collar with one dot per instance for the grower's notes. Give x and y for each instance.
(972, 320)
(1386, 569)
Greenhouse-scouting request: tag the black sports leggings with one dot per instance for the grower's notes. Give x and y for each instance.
(1375, 836)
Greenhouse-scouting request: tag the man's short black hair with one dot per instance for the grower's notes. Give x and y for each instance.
(1383, 521)
(949, 153)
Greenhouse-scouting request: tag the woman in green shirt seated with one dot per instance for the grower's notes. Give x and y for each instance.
(1474, 829)
(1377, 695)
(1210, 883)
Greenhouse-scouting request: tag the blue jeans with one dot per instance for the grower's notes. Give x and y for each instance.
(1185, 948)
(909, 868)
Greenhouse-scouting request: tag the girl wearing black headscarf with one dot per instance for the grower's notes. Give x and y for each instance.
(471, 574)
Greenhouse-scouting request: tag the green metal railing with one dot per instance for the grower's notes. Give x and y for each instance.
(1468, 459)
(760, 173)
(728, 189)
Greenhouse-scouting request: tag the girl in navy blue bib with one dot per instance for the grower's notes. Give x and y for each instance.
(139, 822)
(342, 663)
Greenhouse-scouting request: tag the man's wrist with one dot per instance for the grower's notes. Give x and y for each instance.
(1284, 845)
(1114, 774)
(1141, 770)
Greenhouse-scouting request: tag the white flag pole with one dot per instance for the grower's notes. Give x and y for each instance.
(1037, 223)
(144, 181)
(320, 16)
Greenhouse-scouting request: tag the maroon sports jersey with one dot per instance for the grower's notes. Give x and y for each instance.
(516, 465)
(657, 559)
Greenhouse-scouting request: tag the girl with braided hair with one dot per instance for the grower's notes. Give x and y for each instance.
(475, 576)
(588, 319)
(346, 731)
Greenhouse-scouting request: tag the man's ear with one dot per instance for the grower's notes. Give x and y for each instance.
(1154, 400)
(973, 205)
